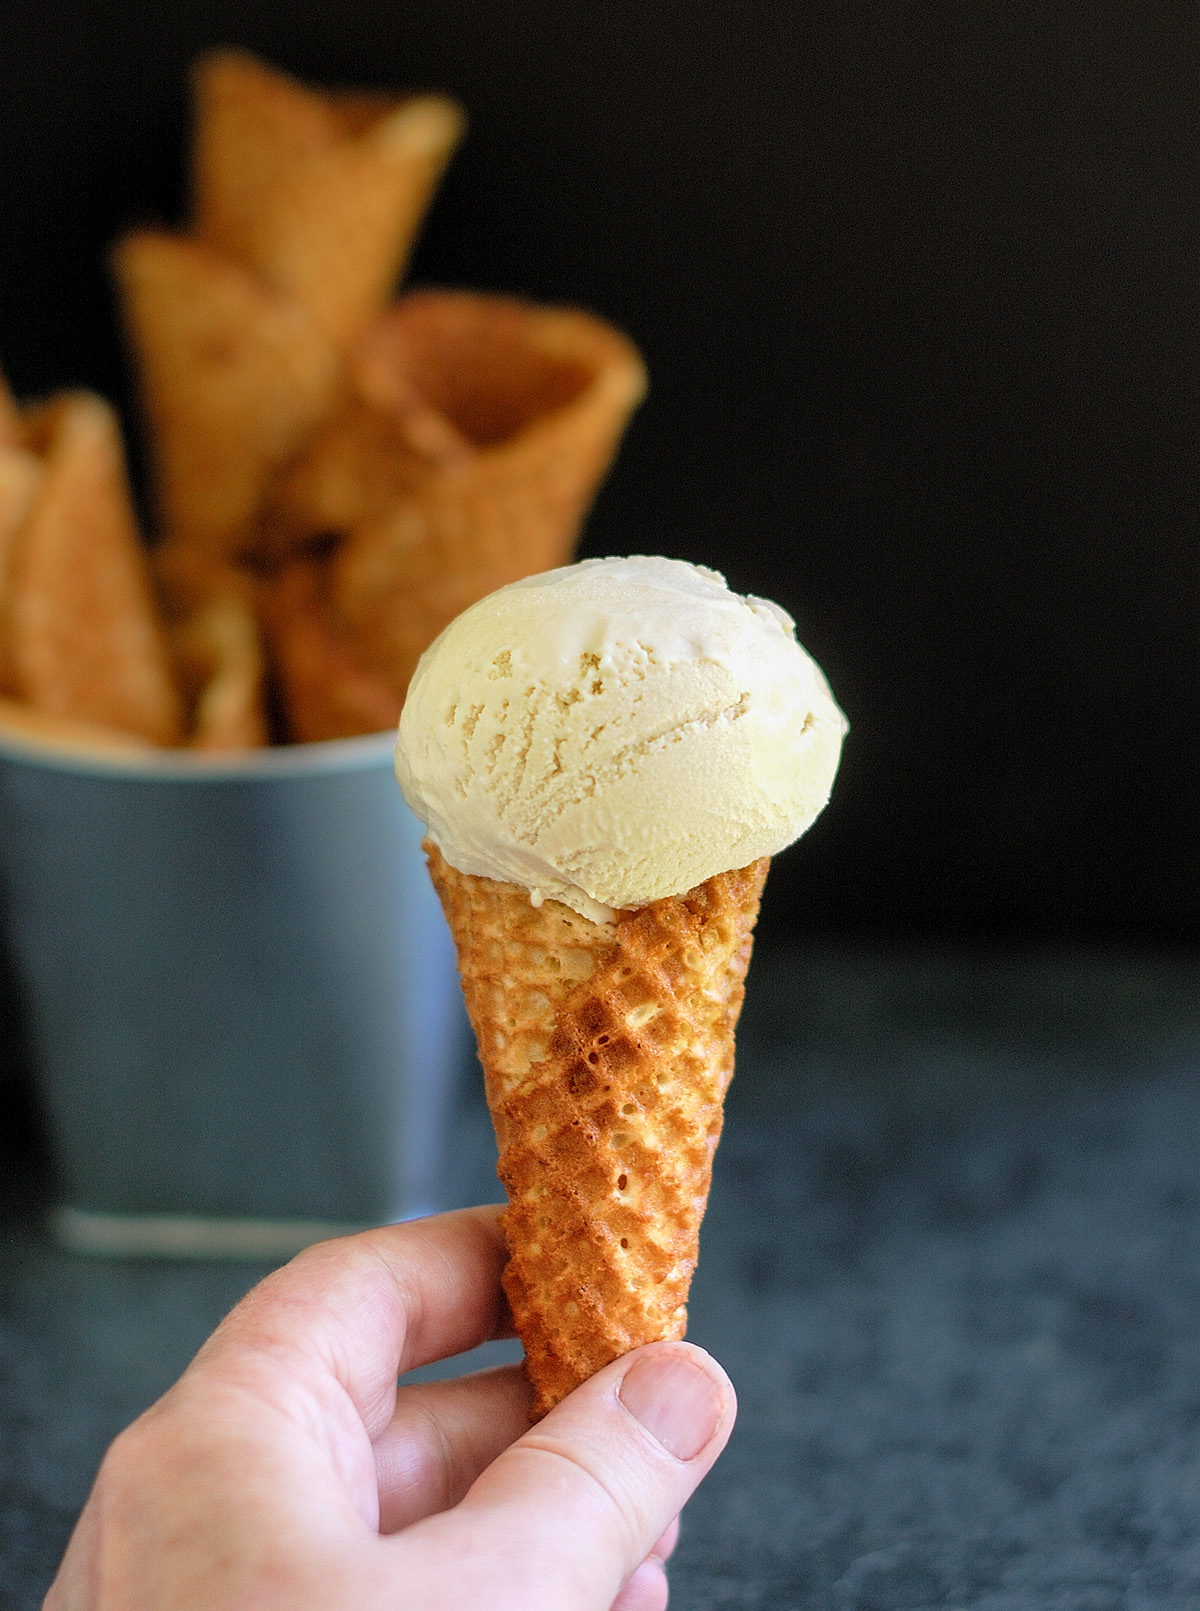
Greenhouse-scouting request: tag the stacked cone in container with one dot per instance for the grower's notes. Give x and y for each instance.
(606, 757)
(334, 475)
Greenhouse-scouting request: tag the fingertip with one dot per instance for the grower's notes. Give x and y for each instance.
(586, 1499)
(681, 1396)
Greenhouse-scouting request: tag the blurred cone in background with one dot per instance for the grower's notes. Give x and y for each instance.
(233, 377)
(327, 690)
(84, 638)
(505, 419)
(342, 477)
(20, 475)
(321, 195)
(217, 647)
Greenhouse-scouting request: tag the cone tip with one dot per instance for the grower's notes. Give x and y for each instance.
(426, 125)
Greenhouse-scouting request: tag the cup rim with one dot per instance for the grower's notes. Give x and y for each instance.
(198, 766)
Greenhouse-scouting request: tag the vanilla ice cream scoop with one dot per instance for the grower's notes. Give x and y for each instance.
(615, 732)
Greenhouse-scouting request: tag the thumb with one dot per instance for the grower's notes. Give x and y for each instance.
(563, 1517)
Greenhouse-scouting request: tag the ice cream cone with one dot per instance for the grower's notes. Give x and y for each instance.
(320, 195)
(234, 379)
(85, 637)
(509, 417)
(607, 1050)
(325, 689)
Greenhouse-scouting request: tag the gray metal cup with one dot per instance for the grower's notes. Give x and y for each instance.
(239, 991)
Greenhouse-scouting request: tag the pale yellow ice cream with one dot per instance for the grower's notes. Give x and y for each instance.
(616, 731)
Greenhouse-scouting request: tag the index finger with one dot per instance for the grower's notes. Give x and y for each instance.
(364, 1309)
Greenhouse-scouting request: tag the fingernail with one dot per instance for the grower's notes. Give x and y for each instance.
(675, 1399)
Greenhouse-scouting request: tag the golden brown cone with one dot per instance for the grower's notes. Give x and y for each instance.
(321, 195)
(325, 690)
(86, 639)
(20, 473)
(234, 380)
(511, 415)
(606, 1051)
(10, 419)
(215, 638)
(20, 477)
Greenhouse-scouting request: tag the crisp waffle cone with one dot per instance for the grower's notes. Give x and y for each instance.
(85, 637)
(321, 195)
(234, 380)
(606, 1053)
(510, 416)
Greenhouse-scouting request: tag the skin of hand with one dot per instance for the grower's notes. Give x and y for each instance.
(286, 1469)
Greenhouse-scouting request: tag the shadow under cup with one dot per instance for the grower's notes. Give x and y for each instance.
(239, 993)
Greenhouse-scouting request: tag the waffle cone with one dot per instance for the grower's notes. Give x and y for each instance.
(509, 416)
(84, 632)
(320, 195)
(606, 1051)
(234, 379)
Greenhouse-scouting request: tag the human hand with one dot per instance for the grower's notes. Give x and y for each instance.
(284, 1471)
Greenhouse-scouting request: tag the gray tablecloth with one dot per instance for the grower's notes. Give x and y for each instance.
(952, 1261)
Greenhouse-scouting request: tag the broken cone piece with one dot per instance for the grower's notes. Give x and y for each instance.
(10, 419)
(21, 721)
(354, 470)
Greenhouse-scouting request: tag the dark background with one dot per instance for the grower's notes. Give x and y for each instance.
(917, 289)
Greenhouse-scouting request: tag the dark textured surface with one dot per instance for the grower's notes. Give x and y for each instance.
(952, 1262)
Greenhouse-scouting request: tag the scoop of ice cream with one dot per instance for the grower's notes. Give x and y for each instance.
(615, 732)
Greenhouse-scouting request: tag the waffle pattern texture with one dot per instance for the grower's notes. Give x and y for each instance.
(607, 1051)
